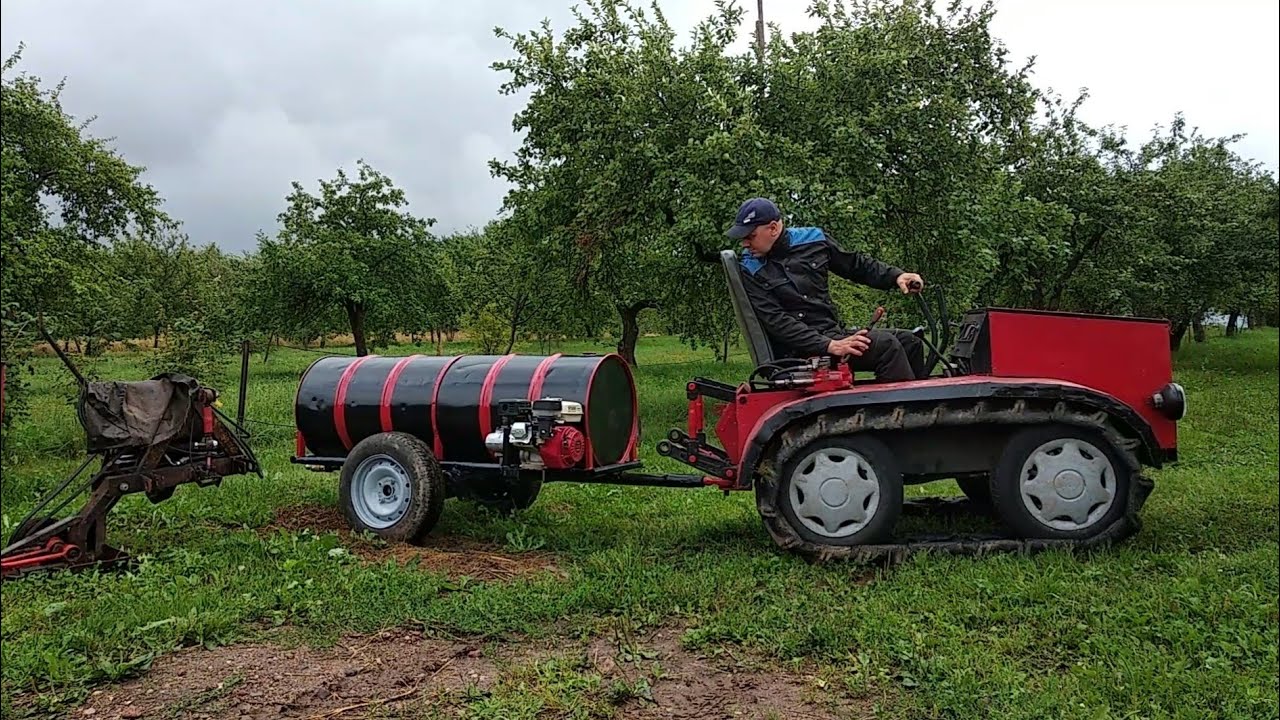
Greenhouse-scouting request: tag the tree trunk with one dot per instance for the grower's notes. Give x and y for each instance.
(1231, 323)
(77, 339)
(323, 338)
(1197, 327)
(630, 330)
(155, 339)
(1177, 332)
(439, 337)
(355, 314)
(724, 355)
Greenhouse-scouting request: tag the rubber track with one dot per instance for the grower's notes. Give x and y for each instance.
(904, 417)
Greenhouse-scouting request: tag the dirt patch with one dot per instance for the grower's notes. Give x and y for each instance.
(454, 556)
(401, 673)
(690, 685)
(266, 681)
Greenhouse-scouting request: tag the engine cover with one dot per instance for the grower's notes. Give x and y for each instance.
(565, 448)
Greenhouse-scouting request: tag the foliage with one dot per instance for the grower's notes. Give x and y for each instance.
(190, 349)
(60, 189)
(626, 154)
(351, 248)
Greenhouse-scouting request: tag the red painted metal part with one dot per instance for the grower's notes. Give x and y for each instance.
(1126, 358)
(437, 445)
(483, 410)
(388, 388)
(696, 420)
(340, 400)
(540, 375)
(54, 550)
(564, 449)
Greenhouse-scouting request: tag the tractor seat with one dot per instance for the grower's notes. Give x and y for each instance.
(752, 331)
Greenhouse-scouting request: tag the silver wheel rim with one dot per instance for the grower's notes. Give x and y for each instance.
(834, 492)
(1068, 484)
(380, 491)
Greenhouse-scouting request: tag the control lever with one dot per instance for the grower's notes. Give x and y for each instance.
(876, 317)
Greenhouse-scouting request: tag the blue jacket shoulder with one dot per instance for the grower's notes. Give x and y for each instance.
(806, 235)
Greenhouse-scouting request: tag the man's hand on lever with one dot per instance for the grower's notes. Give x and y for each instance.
(854, 345)
(910, 283)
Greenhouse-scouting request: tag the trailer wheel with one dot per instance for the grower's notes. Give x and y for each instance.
(842, 490)
(500, 500)
(392, 486)
(1059, 481)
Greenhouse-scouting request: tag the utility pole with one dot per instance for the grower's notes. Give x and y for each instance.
(760, 31)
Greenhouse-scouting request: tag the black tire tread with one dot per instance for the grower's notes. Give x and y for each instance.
(1012, 414)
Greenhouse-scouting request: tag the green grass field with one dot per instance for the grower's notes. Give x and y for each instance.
(1180, 621)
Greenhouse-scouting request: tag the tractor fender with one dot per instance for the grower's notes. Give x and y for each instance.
(953, 392)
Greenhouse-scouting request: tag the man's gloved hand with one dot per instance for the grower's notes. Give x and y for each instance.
(854, 345)
(904, 282)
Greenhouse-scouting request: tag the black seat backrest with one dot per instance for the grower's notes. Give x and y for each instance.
(752, 331)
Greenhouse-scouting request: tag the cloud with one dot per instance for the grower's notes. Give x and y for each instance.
(226, 103)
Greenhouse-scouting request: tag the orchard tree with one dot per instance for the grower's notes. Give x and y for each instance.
(633, 155)
(1204, 215)
(51, 167)
(351, 247)
(896, 126)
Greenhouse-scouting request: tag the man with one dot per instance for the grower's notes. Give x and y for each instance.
(785, 274)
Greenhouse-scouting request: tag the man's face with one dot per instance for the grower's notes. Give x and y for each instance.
(761, 239)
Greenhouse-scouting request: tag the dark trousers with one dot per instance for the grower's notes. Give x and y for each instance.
(894, 355)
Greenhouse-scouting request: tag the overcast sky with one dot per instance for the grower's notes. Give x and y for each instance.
(226, 102)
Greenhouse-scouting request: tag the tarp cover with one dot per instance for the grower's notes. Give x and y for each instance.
(139, 414)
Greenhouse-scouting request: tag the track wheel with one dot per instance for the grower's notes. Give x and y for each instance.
(841, 490)
(976, 487)
(392, 486)
(1060, 481)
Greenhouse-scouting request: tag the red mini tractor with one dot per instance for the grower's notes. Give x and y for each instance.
(1045, 419)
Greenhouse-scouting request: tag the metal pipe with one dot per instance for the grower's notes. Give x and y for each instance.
(244, 379)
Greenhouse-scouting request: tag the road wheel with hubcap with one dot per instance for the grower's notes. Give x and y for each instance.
(1060, 481)
(392, 486)
(842, 490)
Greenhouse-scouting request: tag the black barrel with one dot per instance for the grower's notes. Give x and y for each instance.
(452, 402)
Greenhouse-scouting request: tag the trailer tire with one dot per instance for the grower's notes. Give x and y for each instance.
(393, 487)
(827, 504)
(500, 500)
(1060, 482)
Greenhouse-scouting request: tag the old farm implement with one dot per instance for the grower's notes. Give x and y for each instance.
(149, 437)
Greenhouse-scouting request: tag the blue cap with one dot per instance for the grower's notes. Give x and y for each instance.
(752, 213)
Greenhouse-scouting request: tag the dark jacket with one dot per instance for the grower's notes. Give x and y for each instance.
(788, 289)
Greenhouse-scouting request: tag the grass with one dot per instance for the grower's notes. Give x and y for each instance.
(1180, 621)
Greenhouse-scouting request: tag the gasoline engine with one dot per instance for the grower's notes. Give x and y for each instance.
(541, 434)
